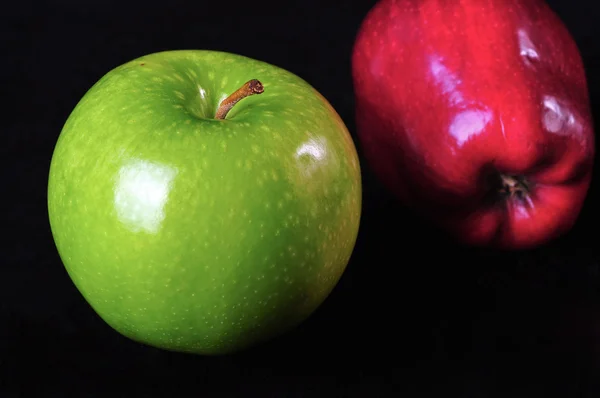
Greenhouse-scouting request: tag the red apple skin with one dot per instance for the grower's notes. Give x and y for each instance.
(453, 94)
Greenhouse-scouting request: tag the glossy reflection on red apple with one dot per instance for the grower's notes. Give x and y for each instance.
(477, 114)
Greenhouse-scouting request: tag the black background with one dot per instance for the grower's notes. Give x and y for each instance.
(413, 313)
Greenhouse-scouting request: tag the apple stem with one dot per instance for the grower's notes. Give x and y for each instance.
(514, 186)
(251, 87)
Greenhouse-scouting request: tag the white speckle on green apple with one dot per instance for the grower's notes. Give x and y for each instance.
(141, 213)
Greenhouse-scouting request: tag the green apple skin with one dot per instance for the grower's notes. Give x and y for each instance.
(199, 235)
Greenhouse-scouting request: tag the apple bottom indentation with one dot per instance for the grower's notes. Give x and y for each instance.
(502, 187)
(515, 186)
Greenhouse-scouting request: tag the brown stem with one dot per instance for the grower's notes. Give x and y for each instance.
(251, 87)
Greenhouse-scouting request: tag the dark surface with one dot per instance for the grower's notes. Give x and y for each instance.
(413, 313)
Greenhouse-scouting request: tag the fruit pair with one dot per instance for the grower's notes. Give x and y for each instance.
(198, 220)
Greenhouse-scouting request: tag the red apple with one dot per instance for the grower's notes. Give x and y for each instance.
(476, 114)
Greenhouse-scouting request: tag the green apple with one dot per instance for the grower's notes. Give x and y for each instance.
(195, 217)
